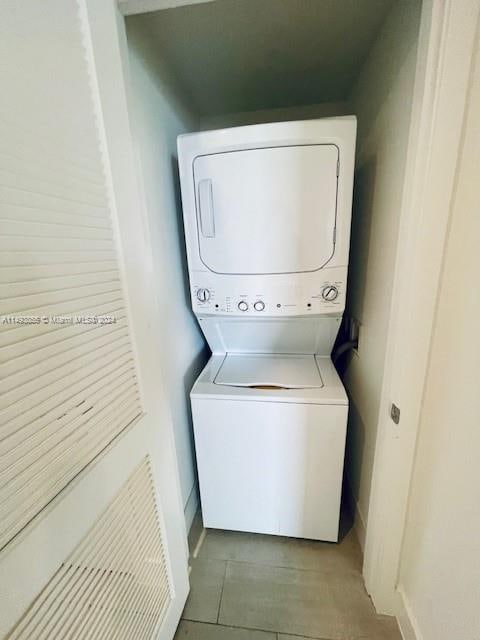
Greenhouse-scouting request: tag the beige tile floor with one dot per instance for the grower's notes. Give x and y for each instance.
(254, 587)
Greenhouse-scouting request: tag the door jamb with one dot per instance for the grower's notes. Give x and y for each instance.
(108, 44)
(445, 51)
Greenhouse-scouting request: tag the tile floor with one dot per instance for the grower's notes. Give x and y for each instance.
(255, 587)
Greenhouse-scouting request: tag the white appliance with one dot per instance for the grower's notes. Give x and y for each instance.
(267, 211)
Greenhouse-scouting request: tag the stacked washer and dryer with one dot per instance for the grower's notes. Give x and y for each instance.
(267, 211)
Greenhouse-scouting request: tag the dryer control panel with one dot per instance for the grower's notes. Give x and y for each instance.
(240, 296)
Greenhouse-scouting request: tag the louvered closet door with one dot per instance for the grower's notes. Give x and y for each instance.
(92, 540)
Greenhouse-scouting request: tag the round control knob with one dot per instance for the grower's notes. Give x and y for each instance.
(242, 305)
(203, 295)
(259, 305)
(330, 293)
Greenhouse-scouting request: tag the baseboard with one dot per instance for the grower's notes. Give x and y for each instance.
(405, 618)
(191, 508)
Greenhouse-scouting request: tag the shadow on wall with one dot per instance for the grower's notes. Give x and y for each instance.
(143, 42)
(191, 374)
(362, 210)
(200, 359)
(182, 249)
(353, 456)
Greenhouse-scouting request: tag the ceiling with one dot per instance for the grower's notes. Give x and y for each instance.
(244, 55)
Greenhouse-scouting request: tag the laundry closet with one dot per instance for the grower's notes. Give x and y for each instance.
(108, 322)
(231, 63)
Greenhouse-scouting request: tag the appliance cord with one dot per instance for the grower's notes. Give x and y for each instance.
(342, 348)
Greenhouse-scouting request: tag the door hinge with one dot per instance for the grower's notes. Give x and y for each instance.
(395, 413)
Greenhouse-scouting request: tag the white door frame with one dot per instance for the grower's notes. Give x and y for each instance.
(110, 66)
(446, 48)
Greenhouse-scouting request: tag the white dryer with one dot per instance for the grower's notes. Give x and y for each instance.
(267, 212)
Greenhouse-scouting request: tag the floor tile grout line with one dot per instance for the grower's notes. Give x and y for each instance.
(261, 630)
(357, 571)
(200, 541)
(242, 628)
(348, 572)
(221, 592)
(294, 635)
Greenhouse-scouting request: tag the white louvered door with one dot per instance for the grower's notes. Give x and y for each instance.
(92, 539)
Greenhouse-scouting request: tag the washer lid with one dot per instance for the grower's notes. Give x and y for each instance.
(270, 371)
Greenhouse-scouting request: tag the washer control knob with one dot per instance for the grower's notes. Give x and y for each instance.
(330, 293)
(242, 305)
(259, 305)
(203, 295)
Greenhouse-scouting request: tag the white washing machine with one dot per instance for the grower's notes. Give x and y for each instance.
(270, 439)
(267, 212)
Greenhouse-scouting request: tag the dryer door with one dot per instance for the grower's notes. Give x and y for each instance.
(262, 211)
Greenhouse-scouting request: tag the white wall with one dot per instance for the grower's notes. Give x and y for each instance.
(381, 99)
(440, 567)
(160, 113)
(307, 112)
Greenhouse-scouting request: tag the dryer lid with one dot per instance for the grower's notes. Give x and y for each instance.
(267, 211)
(270, 371)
